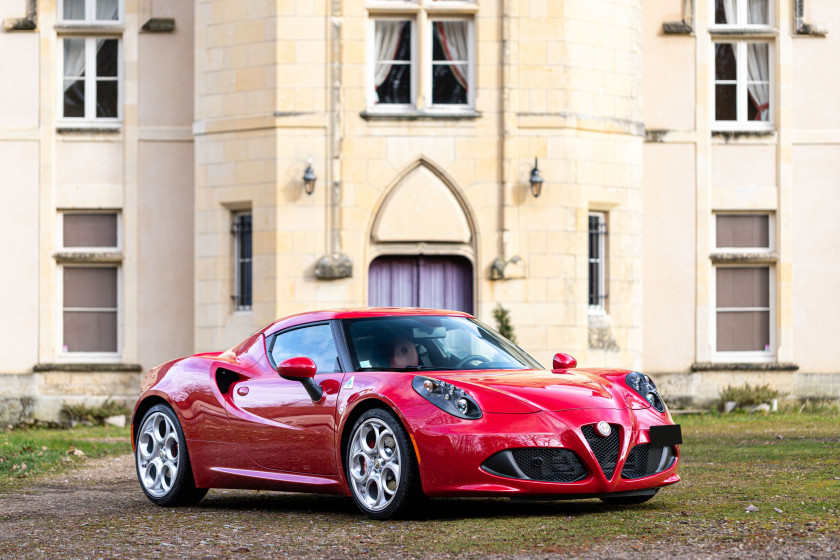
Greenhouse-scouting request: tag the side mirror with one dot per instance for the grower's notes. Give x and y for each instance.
(303, 370)
(563, 361)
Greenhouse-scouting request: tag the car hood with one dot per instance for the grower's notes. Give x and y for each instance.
(506, 391)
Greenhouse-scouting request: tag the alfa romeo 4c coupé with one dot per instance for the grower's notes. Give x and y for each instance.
(390, 406)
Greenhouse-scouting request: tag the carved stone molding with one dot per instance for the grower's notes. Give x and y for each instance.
(684, 27)
(801, 27)
(26, 23)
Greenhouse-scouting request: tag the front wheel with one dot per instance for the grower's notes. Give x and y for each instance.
(380, 466)
(163, 465)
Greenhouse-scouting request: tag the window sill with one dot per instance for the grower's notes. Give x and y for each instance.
(63, 257)
(743, 366)
(89, 128)
(745, 134)
(90, 28)
(744, 257)
(102, 366)
(752, 32)
(417, 115)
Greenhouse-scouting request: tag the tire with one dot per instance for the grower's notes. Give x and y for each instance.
(630, 500)
(380, 466)
(162, 462)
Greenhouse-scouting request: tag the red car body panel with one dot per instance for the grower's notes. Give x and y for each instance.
(265, 432)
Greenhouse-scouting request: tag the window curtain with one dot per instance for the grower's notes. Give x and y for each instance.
(74, 61)
(758, 64)
(74, 9)
(453, 39)
(107, 10)
(758, 68)
(387, 42)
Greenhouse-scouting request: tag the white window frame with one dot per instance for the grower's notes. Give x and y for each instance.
(771, 234)
(90, 14)
(93, 357)
(373, 106)
(601, 308)
(90, 80)
(421, 14)
(741, 11)
(238, 307)
(746, 356)
(429, 63)
(741, 122)
(60, 233)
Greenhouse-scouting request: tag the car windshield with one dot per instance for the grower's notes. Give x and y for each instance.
(415, 343)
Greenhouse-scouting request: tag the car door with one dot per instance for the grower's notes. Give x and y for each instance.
(276, 421)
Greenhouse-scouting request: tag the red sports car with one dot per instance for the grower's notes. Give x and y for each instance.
(391, 405)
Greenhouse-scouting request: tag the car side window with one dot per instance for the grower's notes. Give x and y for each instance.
(315, 342)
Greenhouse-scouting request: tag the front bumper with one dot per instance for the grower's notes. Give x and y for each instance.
(452, 451)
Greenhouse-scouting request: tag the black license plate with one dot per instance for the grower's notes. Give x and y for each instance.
(662, 436)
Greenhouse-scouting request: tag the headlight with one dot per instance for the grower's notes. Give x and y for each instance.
(447, 397)
(644, 385)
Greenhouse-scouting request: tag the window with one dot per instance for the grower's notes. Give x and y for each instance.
(743, 309)
(89, 290)
(742, 232)
(90, 68)
(742, 84)
(597, 262)
(742, 13)
(743, 79)
(441, 77)
(242, 260)
(314, 342)
(90, 309)
(90, 11)
(744, 287)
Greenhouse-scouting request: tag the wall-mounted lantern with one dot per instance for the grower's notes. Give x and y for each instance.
(309, 178)
(536, 180)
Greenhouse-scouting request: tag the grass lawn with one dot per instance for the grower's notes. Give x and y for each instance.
(786, 461)
(28, 452)
(790, 462)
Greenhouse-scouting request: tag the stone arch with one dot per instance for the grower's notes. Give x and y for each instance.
(423, 205)
(424, 217)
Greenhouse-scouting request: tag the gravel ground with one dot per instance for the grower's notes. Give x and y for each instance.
(99, 512)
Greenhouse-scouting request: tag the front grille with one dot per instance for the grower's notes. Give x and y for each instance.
(555, 465)
(644, 460)
(605, 448)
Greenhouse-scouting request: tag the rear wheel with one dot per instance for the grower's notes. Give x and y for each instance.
(163, 464)
(630, 500)
(381, 467)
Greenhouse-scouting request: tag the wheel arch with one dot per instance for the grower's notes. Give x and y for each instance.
(141, 409)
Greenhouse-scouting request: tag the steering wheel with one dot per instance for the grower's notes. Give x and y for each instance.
(470, 358)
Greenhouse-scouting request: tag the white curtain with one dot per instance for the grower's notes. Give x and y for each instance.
(455, 43)
(74, 60)
(74, 9)
(758, 63)
(758, 69)
(387, 42)
(757, 12)
(107, 10)
(730, 11)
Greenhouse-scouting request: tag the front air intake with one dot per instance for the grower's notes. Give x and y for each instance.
(644, 460)
(536, 463)
(555, 465)
(605, 448)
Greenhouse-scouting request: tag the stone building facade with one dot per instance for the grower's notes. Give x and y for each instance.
(158, 205)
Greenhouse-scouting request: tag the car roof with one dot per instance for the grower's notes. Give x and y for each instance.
(357, 313)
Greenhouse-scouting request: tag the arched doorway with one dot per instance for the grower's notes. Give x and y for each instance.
(423, 243)
(442, 282)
